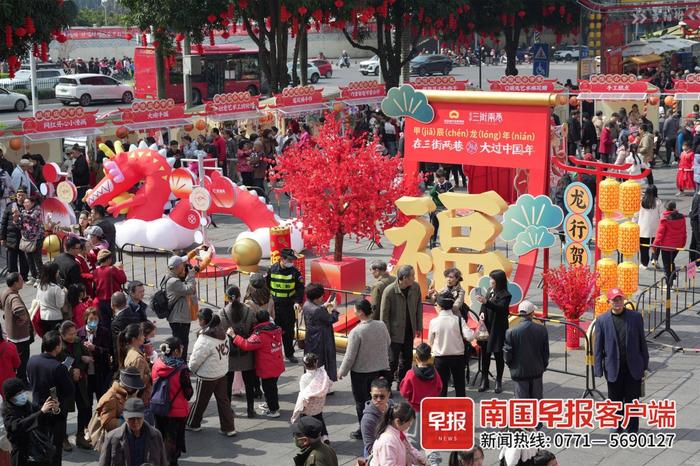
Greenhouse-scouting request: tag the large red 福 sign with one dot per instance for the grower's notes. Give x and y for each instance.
(59, 119)
(235, 102)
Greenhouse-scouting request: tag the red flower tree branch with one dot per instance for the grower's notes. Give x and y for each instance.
(341, 184)
(572, 289)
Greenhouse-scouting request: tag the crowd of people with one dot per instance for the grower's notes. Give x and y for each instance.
(120, 68)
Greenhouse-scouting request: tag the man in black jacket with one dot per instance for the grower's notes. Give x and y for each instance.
(80, 174)
(45, 372)
(68, 267)
(99, 218)
(526, 352)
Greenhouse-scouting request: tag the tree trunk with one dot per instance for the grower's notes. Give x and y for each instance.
(405, 54)
(512, 35)
(295, 70)
(160, 72)
(304, 53)
(338, 247)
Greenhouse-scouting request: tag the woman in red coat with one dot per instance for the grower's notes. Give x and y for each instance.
(670, 237)
(9, 361)
(606, 148)
(266, 341)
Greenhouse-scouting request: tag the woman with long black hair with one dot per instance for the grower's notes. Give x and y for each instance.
(494, 314)
(648, 218)
(130, 354)
(51, 297)
(392, 447)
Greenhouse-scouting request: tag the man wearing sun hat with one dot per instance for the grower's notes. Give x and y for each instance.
(526, 352)
(135, 442)
(621, 352)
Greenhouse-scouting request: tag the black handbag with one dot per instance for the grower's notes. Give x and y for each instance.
(41, 447)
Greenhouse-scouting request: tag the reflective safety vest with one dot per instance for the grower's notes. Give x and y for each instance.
(282, 285)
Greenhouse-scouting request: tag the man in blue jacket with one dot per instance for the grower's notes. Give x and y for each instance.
(621, 353)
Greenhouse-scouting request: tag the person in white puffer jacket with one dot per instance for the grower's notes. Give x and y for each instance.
(209, 362)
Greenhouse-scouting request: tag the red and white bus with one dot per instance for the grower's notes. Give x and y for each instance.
(224, 68)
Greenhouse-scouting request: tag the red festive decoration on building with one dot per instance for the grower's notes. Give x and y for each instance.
(321, 177)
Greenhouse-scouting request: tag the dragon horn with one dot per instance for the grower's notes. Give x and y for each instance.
(118, 146)
(107, 151)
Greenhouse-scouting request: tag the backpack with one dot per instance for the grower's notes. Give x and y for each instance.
(159, 301)
(160, 398)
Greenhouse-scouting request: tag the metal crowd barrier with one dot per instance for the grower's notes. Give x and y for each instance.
(668, 297)
(147, 264)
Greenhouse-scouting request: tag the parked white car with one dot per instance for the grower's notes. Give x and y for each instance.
(312, 73)
(45, 78)
(370, 66)
(12, 100)
(86, 88)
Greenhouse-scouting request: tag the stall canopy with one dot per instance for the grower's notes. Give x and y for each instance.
(439, 83)
(233, 106)
(615, 87)
(523, 84)
(164, 113)
(645, 59)
(362, 93)
(294, 101)
(688, 88)
(59, 123)
(657, 46)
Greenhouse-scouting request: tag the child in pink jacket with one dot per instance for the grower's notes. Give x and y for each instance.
(392, 447)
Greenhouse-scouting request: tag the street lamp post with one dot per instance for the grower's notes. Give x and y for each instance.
(105, 4)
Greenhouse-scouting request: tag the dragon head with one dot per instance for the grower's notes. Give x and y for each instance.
(122, 172)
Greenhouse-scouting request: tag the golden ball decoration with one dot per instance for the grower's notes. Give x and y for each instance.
(607, 273)
(630, 198)
(669, 101)
(609, 195)
(628, 238)
(607, 233)
(52, 245)
(247, 253)
(628, 277)
(601, 305)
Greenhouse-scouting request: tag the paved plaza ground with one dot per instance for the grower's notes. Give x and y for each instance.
(268, 442)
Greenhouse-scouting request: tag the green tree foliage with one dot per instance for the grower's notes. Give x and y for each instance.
(25, 23)
(167, 18)
(89, 17)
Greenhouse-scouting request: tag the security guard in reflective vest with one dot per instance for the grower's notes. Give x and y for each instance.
(287, 289)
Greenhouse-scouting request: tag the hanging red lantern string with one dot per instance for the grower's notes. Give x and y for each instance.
(284, 14)
(229, 12)
(20, 32)
(29, 25)
(35, 49)
(234, 25)
(295, 26)
(44, 51)
(211, 38)
(144, 42)
(8, 36)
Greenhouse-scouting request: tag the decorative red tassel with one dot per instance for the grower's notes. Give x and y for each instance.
(234, 26)
(211, 38)
(29, 25)
(44, 51)
(144, 41)
(317, 25)
(178, 47)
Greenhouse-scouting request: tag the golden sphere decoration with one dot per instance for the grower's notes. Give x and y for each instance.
(247, 253)
(601, 305)
(52, 245)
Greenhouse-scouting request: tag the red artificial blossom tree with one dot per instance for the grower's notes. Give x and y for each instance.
(574, 290)
(341, 184)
